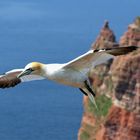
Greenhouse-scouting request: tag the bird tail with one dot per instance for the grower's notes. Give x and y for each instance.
(92, 99)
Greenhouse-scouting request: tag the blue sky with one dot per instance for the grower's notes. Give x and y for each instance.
(79, 16)
(68, 25)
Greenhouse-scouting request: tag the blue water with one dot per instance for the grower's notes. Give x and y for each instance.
(49, 31)
(38, 110)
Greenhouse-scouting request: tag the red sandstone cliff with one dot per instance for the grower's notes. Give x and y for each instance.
(117, 85)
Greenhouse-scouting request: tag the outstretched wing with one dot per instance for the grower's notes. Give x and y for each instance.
(10, 78)
(98, 56)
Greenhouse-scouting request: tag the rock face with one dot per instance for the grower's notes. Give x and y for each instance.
(117, 84)
(106, 38)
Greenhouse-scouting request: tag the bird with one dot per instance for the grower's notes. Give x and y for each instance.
(74, 73)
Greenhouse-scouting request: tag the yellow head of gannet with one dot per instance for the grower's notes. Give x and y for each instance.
(34, 68)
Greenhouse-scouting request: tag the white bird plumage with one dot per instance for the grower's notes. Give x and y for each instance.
(74, 73)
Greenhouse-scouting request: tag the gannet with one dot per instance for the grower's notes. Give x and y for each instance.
(74, 73)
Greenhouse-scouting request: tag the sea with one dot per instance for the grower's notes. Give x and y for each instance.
(39, 31)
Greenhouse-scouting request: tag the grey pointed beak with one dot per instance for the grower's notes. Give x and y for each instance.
(24, 73)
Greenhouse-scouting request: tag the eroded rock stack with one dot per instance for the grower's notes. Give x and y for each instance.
(117, 86)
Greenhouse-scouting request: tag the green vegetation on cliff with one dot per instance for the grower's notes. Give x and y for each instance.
(84, 135)
(103, 103)
(137, 21)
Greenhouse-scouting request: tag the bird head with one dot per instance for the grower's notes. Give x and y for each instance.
(34, 68)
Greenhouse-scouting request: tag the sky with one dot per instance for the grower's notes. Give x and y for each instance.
(43, 23)
(76, 16)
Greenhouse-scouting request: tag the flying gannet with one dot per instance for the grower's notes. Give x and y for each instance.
(74, 73)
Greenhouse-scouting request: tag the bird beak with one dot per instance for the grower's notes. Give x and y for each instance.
(24, 73)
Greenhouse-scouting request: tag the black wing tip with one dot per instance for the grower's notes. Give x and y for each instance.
(9, 80)
(4, 86)
(118, 50)
(128, 49)
(110, 48)
(6, 83)
(133, 47)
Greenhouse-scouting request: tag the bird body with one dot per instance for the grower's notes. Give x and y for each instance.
(66, 76)
(74, 73)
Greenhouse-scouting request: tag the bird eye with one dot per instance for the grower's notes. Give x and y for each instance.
(30, 69)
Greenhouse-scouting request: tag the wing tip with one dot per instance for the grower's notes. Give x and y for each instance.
(134, 47)
(116, 51)
(9, 80)
(9, 84)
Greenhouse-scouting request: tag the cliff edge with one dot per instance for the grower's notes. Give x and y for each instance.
(117, 84)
